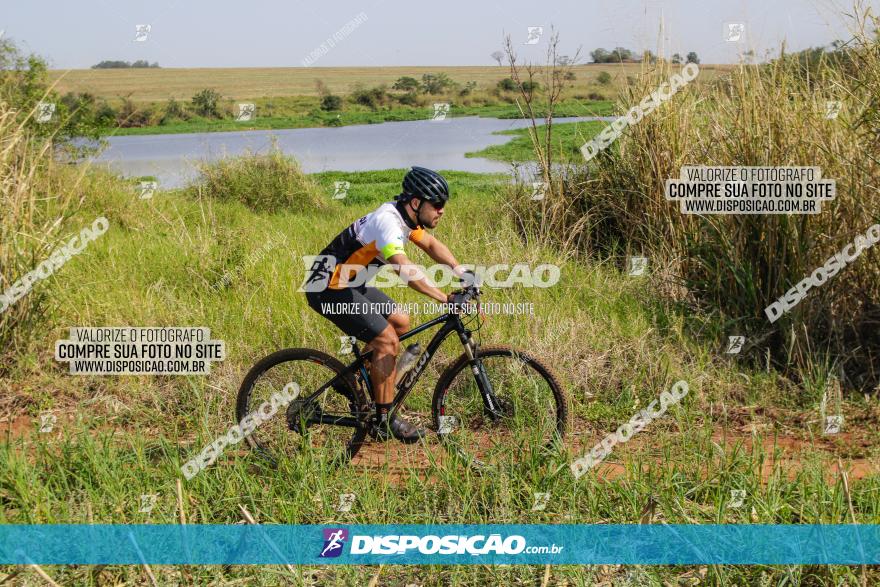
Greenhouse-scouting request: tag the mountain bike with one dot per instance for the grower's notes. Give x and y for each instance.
(492, 407)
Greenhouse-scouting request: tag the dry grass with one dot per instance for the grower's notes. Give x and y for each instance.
(149, 85)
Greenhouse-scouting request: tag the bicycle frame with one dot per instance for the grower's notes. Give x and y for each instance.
(451, 323)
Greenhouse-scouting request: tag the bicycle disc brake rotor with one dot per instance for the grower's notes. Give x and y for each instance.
(505, 407)
(299, 412)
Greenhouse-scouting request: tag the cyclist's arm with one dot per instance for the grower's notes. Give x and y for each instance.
(439, 252)
(415, 277)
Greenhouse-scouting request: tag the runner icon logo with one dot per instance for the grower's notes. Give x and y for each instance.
(334, 540)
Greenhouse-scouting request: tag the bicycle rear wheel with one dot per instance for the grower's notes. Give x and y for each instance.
(295, 428)
(533, 407)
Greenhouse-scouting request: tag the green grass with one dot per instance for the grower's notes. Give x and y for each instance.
(612, 341)
(306, 114)
(568, 138)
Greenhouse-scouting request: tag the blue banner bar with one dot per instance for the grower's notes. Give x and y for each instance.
(654, 544)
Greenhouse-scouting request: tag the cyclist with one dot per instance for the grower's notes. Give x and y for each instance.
(369, 242)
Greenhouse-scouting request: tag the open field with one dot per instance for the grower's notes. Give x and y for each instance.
(150, 85)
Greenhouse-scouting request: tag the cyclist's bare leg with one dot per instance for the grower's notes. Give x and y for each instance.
(400, 322)
(385, 349)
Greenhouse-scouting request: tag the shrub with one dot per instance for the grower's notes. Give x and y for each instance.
(262, 182)
(174, 110)
(132, 116)
(507, 85)
(406, 84)
(371, 98)
(604, 78)
(468, 88)
(570, 76)
(436, 83)
(408, 99)
(331, 102)
(205, 103)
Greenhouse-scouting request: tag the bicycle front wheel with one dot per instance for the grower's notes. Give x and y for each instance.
(533, 410)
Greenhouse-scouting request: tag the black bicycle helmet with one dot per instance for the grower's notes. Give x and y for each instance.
(426, 185)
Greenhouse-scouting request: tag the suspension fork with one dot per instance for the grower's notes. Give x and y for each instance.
(490, 401)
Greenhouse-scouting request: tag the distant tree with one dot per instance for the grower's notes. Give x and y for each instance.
(600, 55)
(124, 64)
(406, 84)
(676, 58)
(498, 56)
(620, 54)
(112, 65)
(693, 58)
(617, 55)
(564, 60)
(205, 103)
(604, 78)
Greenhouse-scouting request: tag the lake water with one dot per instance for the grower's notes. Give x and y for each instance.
(429, 143)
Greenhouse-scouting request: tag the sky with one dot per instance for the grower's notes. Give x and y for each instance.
(260, 33)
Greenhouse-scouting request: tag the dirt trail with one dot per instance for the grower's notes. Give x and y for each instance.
(399, 460)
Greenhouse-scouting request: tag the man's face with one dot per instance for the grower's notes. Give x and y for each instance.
(429, 215)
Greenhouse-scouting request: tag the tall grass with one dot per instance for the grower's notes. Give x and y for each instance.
(262, 182)
(733, 266)
(34, 205)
